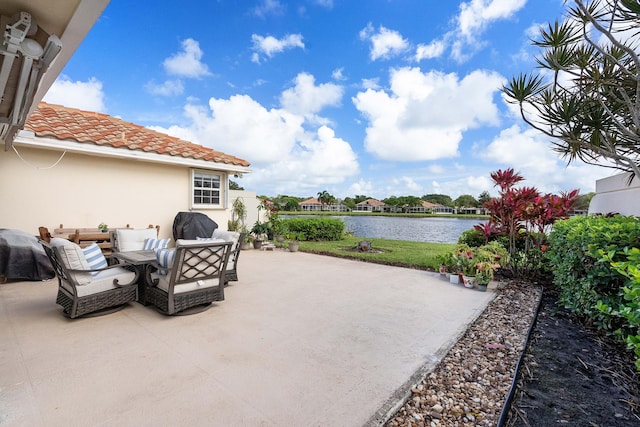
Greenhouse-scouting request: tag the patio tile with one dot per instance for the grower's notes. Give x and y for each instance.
(300, 340)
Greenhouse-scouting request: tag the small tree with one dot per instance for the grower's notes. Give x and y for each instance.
(325, 198)
(589, 104)
(466, 201)
(483, 198)
(525, 216)
(238, 216)
(440, 199)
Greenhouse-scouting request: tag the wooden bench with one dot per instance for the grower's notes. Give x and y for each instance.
(85, 236)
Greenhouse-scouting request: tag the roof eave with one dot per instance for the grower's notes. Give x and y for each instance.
(28, 139)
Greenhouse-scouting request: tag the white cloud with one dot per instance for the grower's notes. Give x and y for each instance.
(338, 74)
(407, 183)
(530, 153)
(373, 83)
(318, 160)
(472, 21)
(187, 63)
(268, 7)
(83, 95)
(469, 184)
(466, 38)
(270, 45)
(424, 114)
(286, 156)
(385, 43)
(307, 99)
(360, 187)
(167, 88)
(431, 50)
(324, 3)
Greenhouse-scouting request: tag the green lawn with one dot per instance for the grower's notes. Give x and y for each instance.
(394, 252)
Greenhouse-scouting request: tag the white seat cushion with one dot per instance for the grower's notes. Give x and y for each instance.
(163, 283)
(196, 242)
(228, 236)
(133, 239)
(103, 281)
(72, 256)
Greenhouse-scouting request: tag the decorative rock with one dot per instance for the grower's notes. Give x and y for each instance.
(469, 385)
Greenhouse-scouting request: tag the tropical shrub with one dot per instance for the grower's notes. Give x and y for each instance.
(524, 216)
(581, 253)
(473, 238)
(629, 310)
(316, 228)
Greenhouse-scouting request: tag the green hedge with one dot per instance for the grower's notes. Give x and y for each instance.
(316, 228)
(581, 252)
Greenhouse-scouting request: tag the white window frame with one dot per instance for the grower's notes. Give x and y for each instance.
(221, 189)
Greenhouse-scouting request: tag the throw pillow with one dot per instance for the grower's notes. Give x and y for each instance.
(150, 244)
(94, 257)
(165, 258)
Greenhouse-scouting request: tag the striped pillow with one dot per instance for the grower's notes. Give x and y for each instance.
(95, 258)
(150, 244)
(165, 259)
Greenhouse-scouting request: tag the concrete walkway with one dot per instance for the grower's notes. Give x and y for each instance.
(301, 340)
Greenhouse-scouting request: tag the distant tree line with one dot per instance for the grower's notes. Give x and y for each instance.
(291, 203)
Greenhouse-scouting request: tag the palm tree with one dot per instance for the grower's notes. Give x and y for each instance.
(325, 198)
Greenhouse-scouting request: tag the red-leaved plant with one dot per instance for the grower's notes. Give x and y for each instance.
(525, 217)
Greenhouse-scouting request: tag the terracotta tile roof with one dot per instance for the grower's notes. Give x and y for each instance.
(371, 202)
(86, 127)
(310, 201)
(429, 204)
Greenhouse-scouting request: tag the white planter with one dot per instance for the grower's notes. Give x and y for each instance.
(454, 278)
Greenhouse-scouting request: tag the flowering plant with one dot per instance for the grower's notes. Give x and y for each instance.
(466, 262)
(476, 261)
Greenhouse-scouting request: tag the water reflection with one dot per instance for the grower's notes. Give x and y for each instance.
(432, 229)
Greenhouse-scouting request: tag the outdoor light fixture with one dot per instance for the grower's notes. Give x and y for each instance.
(24, 61)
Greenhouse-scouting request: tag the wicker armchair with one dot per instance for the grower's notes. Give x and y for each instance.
(86, 292)
(232, 267)
(235, 238)
(194, 280)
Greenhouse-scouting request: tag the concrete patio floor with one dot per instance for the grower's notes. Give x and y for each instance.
(300, 340)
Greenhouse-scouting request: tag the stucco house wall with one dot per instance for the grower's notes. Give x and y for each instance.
(83, 191)
(614, 194)
(252, 204)
(79, 169)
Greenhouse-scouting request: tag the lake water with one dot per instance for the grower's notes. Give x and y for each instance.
(432, 229)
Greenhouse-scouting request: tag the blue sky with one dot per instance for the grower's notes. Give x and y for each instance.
(375, 97)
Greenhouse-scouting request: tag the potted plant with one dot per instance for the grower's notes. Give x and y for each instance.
(245, 242)
(258, 233)
(446, 265)
(238, 216)
(294, 241)
(103, 227)
(484, 274)
(466, 265)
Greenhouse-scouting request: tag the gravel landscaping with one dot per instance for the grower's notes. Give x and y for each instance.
(569, 376)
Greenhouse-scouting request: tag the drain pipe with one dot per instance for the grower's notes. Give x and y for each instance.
(512, 390)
